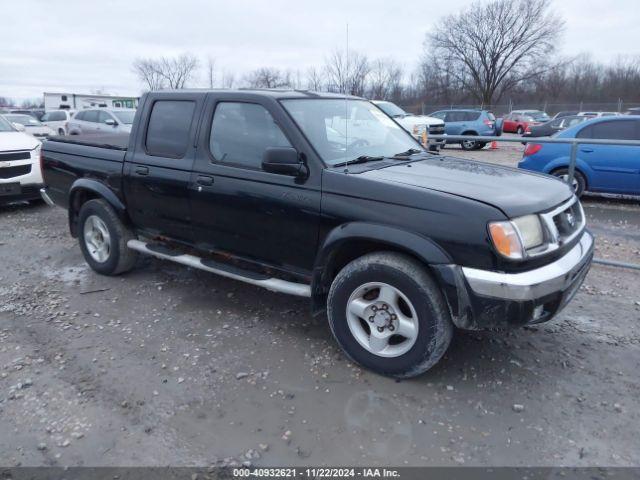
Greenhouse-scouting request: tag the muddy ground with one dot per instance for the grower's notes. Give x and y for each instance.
(171, 366)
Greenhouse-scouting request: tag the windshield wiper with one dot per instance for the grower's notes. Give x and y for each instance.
(360, 159)
(411, 151)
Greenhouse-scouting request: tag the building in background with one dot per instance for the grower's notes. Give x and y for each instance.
(79, 101)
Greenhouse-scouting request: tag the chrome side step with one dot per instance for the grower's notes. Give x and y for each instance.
(273, 284)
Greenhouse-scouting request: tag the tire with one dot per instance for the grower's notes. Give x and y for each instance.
(413, 297)
(520, 131)
(469, 144)
(99, 226)
(61, 132)
(480, 145)
(579, 181)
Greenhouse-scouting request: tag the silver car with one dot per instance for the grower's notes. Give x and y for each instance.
(101, 120)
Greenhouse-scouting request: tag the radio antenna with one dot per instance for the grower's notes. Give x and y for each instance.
(345, 84)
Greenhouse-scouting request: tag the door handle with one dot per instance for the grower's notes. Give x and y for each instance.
(204, 180)
(587, 150)
(142, 170)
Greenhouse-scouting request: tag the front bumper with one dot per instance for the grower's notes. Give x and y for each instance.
(27, 192)
(487, 299)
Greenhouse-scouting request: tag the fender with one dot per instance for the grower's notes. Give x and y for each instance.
(98, 188)
(422, 247)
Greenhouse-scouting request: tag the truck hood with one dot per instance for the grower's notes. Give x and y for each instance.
(410, 120)
(11, 141)
(514, 192)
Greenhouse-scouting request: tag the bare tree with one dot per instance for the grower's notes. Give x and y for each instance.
(268, 77)
(347, 72)
(384, 78)
(228, 79)
(211, 74)
(5, 102)
(177, 71)
(171, 72)
(315, 79)
(495, 46)
(147, 71)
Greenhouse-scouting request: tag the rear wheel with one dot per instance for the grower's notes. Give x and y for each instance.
(480, 145)
(579, 183)
(469, 144)
(388, 315)
(520, 131)
(103, 239)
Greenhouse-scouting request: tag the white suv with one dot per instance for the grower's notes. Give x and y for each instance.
(58, 120)
(20, 174)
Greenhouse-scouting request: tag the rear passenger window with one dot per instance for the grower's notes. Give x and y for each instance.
(90, 116)
(79, 116)
(169, 127)
(621, 130)
(241, 132)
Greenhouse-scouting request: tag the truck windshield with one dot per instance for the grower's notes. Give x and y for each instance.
(5, 126)
(391, 109)
(342, 131)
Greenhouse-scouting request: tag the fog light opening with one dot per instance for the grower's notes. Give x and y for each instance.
(538, 312)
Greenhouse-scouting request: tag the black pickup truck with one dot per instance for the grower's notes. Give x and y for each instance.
(325, 196)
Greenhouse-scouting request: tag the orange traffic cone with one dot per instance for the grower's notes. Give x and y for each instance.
(494, 145)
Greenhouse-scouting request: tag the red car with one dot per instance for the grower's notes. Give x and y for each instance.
(518, 120)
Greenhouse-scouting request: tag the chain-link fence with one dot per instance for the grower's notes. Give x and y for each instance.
(551, 108)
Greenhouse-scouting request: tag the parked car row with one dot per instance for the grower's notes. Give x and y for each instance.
(599, 168)
(70, 122)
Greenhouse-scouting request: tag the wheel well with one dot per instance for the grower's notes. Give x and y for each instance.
(586, 181)
(79, 197)
(345, 254)
(470, 132)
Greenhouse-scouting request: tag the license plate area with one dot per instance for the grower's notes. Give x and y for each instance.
(10, 189)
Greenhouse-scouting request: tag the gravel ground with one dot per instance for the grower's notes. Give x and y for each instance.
(172, 366)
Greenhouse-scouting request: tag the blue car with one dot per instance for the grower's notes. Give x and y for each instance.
(469, 122)
(599, 168)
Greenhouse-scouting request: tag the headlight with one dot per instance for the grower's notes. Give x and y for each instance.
(512, 238)
(419, 129)
(530, 231)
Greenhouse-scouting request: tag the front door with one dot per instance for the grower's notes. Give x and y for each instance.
(616, 168)
(159, 170)
(237, 207)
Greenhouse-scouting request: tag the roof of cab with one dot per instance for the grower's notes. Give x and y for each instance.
(276, 93)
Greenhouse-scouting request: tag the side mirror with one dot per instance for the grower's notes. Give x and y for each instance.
(19, 127)
(282, 160)
(111, 122)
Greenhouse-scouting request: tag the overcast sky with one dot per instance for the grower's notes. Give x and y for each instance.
(79, 46)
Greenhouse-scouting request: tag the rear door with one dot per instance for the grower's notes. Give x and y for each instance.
(239, 208)
(89, 122)
(158, 171)
(616, 168)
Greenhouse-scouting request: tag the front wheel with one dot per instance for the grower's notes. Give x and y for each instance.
(388, 315)
(520, 131)
(103, 239)
(579, 183)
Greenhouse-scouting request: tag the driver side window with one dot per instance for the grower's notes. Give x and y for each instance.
(241, 132)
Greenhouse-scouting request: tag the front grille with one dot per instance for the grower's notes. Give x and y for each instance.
(8, 156)
(561, 226)
(568, 221)
(10, 172)
(436, 129)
